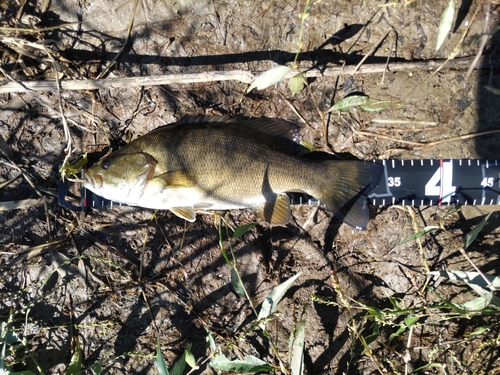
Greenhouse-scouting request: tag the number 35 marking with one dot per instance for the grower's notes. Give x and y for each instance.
(394, 181)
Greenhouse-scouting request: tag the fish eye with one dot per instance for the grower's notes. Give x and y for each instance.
(105, 164)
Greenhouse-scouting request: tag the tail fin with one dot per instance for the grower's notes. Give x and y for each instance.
(347, 193)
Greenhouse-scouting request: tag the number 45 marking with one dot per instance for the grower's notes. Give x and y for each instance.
(445, 190)
(487, 182)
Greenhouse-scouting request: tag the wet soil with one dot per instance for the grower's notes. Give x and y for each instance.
(116, 280)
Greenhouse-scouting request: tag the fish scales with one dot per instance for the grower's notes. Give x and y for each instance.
(216, 165)
(225, 163)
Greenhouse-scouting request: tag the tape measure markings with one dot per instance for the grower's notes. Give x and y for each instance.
(452, 182)
(408, 182)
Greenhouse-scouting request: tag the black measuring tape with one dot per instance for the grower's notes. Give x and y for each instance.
(405, 182)
(439, 182)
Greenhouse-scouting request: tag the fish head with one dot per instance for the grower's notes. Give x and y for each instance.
(121, 177)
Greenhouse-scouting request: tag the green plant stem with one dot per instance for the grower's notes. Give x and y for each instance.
(353, 326)
(303, 17)
(234, 266)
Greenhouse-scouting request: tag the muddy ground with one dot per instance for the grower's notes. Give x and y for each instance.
(114, 280)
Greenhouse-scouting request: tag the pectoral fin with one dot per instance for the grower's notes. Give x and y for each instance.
(174, 179)
(276, 211)
(186, 213)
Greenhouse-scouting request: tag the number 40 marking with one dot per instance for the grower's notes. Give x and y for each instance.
(445, 190)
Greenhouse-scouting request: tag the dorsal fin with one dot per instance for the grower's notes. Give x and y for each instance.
(206, 118)
(275, 132)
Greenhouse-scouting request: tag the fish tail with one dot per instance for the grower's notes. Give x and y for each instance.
(347, 195)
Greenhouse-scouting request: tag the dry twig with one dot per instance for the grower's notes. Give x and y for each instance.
(425, 144)
(372, 50)
(231, 75)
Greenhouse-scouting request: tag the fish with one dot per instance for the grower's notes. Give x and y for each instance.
(220, 163)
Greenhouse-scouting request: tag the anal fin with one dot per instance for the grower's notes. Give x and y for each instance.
(276, 211)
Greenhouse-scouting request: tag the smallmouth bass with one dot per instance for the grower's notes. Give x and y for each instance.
(219, 163)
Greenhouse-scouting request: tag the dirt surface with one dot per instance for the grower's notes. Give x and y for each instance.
(115, 280)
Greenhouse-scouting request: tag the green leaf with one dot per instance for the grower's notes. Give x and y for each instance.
(477, 304)
(296, 84)
(348, 102)
(365, 103)
(419, 234)
(240, 231)
(269, 78)
(493, 90)
(374, 105)
(179, 366)
(469, 277)
(374, 312)
(222, 249)
(480, 331)
(236, 283)
(97, 368)
(211, 341)
(446, 23)
(410, 320)
(373, 335)
(75, 365)
(495, 301)
(160, 361)
(250, 364)
(297, 348)
(7, 335)
(395, 302)
(400, 330)
(271, 302)
(190, 360)
(471, 236)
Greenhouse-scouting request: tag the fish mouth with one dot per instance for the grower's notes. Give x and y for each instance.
(94, 179)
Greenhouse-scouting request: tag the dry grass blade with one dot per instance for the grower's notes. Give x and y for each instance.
(456, 51)
(5, 148)
(32, 252)
(409, 122)
(25, 203)
(484, 40)
(67, 134)
(6, 183)
(14, 165)
(38, 30)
